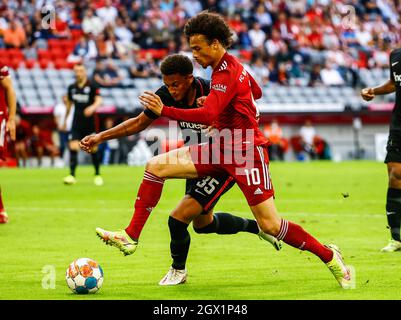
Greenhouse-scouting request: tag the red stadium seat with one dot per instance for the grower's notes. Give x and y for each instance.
(156, 53)
(246, 55)
(15, 63)
(76, 34)
(44, 63)
(61, 64)
(54, 44)
(4, 60)
(44, 54)
(15, 54)
(69, 45)
(30, 63)
(57, 54)
(71, 64)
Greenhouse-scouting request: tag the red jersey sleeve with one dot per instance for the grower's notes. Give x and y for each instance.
(222, 91)
(256, 90)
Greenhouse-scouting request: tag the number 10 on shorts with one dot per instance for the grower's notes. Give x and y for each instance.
(253, 177)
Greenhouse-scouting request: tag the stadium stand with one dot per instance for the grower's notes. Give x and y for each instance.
(300, 46)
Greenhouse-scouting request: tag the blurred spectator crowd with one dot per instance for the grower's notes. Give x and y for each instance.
(286, 42)
(312, 42)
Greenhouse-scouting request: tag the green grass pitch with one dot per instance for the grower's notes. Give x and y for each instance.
(52, 224)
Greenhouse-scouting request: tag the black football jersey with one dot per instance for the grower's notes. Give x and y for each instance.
(82, 98)
(395, 74)
(191, 132)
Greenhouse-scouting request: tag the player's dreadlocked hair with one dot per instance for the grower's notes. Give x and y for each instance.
(176, 64)
(212, 26)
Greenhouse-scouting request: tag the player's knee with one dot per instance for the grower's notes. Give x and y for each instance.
(154, 167)
(395, 178)
(181, 215)
(74, 146)
(269, 227)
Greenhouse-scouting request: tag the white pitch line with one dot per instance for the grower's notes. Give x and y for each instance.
(156, 211)
(11, 209)
(314, 201)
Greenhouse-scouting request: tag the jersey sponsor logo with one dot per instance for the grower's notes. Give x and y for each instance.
(219, 87)
(82, 98)
(394, 63)
(223, 66)
(397, 77)
(190, 125)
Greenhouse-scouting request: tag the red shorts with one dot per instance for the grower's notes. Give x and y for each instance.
(249, 168)
(3, 140)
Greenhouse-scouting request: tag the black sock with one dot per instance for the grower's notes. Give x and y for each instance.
(73, 161)
(96, 162)
(225, 223)
(179, 244)
(393, 208)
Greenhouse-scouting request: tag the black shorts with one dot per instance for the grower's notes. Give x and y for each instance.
(207, 191)
(393, 150)
(79, 132)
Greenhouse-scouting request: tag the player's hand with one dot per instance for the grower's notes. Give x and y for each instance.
(367, 94)
(151, 101)
(89, 143)
(89, 111)
(10, 128)
(200, 101)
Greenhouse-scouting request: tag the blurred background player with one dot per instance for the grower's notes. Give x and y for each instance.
(63, 124)
(278, 144)
(182, 90)
(307, 134)
(393, 157)
(8, 107)
(22, 144)
(85, 97)
(42, 143)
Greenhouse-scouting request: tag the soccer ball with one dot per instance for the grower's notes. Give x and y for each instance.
(84, 275)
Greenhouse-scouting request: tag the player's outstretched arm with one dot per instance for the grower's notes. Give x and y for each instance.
(126, 128)
(212, 106)
(386, 88)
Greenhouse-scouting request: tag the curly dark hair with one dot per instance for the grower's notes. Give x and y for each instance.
(176, 64)
(212, 26)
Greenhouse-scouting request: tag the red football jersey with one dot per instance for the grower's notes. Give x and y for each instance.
(3, 99)
(230, 104)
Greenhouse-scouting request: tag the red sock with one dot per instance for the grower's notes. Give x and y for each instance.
(1, 202)
(296, 236)
(148, 196)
